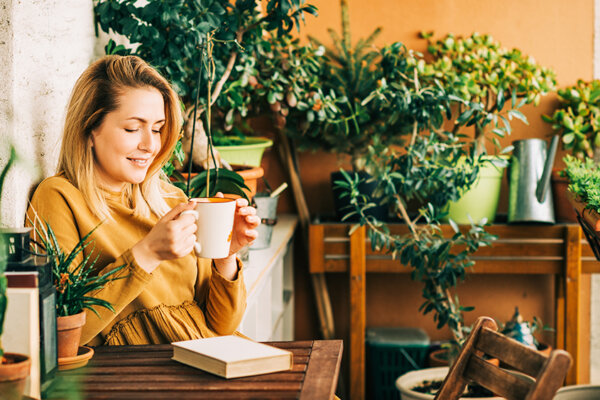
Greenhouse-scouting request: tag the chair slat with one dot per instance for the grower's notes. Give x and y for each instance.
(496, 379)
(541, 378)
(510, 352)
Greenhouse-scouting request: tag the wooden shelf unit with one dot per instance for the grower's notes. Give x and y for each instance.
(558, 250)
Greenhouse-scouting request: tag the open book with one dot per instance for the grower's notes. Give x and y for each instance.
(232, 356)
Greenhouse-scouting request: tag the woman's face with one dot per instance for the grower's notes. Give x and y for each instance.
(128, 140)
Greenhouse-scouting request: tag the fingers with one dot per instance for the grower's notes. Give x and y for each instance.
(178, 209)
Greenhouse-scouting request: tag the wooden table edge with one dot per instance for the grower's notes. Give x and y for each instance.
(323, 370)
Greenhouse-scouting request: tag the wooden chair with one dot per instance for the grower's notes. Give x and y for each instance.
(547, 373)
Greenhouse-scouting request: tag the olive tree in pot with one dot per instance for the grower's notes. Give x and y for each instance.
(14, 368)
(435, 166)
(577, 121)
(492, 83)
(196, 45)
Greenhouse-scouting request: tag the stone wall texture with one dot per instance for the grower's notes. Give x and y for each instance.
(45, 45)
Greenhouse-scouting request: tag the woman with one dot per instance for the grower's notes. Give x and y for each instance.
(122, 124)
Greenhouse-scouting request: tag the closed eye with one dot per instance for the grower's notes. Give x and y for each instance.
(131, 130)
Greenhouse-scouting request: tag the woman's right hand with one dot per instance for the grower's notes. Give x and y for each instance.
(172, 237)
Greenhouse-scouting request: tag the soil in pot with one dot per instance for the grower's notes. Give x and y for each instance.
(13, 373)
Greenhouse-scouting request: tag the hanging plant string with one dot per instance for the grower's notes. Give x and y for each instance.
(189, 177)
(210, 69)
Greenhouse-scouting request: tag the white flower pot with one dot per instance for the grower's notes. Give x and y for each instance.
(406, 382)
(578, 392)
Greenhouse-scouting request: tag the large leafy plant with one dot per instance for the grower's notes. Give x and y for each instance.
(196, 45)
(577, 119)
(492, 82)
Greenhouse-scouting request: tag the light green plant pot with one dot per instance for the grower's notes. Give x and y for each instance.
(249, 153)
(481, 201)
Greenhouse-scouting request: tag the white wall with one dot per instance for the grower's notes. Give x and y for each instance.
(45, 45)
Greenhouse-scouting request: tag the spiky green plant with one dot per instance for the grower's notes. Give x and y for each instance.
(74, 284)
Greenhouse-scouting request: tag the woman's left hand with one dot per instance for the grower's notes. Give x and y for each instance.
(245, 223)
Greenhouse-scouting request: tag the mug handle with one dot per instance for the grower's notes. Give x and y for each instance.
(197, 246)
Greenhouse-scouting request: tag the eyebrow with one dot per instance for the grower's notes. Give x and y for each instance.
(144, 121)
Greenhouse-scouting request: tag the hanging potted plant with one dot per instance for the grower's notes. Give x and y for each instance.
(179, 40)
(74, 280)
(584, 178)
(577, 121)
(492, 83)
(14, 367)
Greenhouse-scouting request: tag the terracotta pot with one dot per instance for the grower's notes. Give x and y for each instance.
(251, 176)
(563, 209)
(439, 358)
(13, 375)
(69, 334)
(545, 349)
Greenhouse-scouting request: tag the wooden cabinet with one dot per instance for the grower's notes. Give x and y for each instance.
(268, 275)
(558, 250)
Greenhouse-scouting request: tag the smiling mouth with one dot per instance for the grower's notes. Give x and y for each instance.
(140, 162)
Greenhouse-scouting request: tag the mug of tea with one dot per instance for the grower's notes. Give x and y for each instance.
(214, 218)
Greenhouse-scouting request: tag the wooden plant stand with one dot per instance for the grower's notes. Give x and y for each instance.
(558, 250)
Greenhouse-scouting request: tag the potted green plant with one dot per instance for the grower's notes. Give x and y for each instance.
(74, 280)
(577, 121)
(492, 83)
(336, 113)
(196, 45)
(14, 367)
(584, 177)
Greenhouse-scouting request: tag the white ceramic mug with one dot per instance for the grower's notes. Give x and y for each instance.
(214, 218)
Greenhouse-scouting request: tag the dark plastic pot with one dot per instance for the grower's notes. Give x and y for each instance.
(342, 204)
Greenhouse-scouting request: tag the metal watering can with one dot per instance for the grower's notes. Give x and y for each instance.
(529, 198)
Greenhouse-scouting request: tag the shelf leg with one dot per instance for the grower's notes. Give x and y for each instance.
(358, 268)
(572, 296)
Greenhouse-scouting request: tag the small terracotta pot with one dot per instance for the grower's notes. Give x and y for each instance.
(69, 334)
(439, 358)
(563, 209)
(13, 375)
(251, 176)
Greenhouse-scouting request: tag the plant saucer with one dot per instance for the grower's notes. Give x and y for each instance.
(84, 354)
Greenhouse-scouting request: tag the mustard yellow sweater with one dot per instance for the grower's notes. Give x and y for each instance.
(181, 299)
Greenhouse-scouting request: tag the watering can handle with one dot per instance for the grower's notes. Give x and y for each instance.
(544, 182)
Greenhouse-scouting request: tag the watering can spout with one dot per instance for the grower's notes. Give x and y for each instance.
(544, 182)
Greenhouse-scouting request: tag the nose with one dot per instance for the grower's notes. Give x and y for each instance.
(149, 142)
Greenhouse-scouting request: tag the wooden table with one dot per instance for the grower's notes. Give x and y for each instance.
(558, 250)
(147, 372)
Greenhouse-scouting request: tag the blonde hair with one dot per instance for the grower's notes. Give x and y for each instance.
(95, 94)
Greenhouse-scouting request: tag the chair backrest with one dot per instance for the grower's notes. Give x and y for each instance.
(547, 373)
